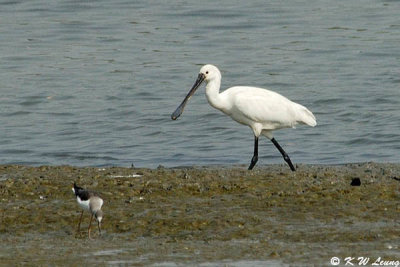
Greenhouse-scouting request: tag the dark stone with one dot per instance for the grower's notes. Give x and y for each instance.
(355, 182)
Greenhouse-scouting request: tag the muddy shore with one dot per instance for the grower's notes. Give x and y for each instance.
(209, 216)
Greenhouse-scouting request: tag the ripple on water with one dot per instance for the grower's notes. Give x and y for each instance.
(102, 80)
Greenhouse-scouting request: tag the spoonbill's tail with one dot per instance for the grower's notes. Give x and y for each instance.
(305, 116)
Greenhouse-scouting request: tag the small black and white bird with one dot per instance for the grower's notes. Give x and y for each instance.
(91, 202)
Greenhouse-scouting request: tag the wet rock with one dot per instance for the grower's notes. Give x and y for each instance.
(355, 182)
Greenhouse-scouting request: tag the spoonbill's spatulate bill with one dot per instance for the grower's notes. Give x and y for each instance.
(262, 110)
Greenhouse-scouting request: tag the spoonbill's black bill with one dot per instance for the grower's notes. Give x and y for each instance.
(196, 85)
(262, 110)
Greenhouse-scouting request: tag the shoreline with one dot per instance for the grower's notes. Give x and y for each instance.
(211, 166)
(202, 215)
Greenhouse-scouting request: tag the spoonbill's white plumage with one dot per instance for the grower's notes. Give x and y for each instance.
(262, 110)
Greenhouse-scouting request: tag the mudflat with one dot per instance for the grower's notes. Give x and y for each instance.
(201, 215)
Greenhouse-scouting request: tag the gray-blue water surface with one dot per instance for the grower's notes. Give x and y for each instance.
(95, 82)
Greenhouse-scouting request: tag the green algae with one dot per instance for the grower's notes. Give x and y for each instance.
(201, 214)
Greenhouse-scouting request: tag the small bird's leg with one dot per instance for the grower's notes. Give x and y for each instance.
(90, 224)
(285, 156)
(98, 224)
(79, 224)
(254, 159)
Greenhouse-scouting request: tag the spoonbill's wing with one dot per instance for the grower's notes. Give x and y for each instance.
(265, 107)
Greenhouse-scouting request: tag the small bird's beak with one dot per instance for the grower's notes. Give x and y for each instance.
(196, 85)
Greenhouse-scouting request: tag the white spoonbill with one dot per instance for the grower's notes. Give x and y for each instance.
(262, 110)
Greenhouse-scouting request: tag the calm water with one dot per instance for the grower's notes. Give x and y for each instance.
(95, 82)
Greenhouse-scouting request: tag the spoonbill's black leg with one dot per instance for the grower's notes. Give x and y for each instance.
(255, 156)
(285, 156)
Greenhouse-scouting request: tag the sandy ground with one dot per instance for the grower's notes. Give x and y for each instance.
(212, 216)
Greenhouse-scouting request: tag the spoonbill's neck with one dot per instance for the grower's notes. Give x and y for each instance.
(212, 93)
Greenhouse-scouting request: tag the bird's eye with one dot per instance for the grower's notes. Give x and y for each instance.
(206, 72)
